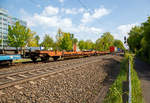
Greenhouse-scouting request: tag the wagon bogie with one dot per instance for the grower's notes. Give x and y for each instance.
(34, 59)
(55, 58)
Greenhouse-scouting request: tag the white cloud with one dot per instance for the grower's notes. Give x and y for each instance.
(86, 18)
(45, 21)
(123, 30)
(83, 32)
(98, 13)
(86, 29)
(38, 5)
(81, 10)
(126, 28)
(72, 11)
(49, 23)
(66, 22)
(96, 30)
(50, 10)
(61, 1)
(47, 18)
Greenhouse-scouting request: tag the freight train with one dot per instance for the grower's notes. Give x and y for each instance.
(9, 54)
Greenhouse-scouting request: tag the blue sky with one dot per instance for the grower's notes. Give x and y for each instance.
(87, 20)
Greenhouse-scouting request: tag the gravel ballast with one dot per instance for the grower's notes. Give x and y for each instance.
(80, 85)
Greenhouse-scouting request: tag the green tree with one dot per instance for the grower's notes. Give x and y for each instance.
(135, 37)
(88, 45)
(104, 42)
(65, 42)
(81, 45)
(31, 41)
(145, 42)
(37, 38)
(94, 46)
(119, 44)
(99, 44)
(47, 42)
(59, 33)
(138, 40)
(17, 35)
(75, 40)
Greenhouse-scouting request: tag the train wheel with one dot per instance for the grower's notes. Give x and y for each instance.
(44, 59)
(7, 62)
(55, 58)
(10, 62)
(33, 59)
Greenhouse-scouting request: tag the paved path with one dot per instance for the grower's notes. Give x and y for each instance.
(143, 70)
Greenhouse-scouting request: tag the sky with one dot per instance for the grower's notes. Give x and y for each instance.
(86, 19)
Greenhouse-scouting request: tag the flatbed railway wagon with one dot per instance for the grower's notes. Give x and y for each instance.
(8, 59)
(44, 55)
(8, 55)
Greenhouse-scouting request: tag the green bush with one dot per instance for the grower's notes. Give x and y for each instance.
(115, 92)
(136, 85)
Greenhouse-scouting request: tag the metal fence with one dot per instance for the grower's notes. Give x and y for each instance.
(130, 86)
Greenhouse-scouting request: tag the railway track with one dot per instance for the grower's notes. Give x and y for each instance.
(24, 67)
(12, 78)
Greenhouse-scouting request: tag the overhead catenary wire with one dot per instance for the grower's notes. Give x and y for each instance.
(88, 10)
(83, 5)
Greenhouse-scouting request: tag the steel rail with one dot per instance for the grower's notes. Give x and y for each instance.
(37, 74)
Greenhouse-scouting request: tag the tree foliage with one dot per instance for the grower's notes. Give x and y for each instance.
(119, 44)
(81, 45)
(104, 42)
(31, 41)
(47, 42)
(18, 35)
(86, 45)
(135, 37)
(37, 38)
(65, 42)
(75, 40)
(138, 40)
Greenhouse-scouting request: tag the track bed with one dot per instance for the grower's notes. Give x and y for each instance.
(71, 81)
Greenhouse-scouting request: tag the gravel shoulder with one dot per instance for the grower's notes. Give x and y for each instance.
(143, 70)
(88, 84)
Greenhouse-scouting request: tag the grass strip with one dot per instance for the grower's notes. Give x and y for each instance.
(21, 60)
(136, 84)
(115, 91)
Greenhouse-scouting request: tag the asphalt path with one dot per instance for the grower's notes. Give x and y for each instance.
(143, 70)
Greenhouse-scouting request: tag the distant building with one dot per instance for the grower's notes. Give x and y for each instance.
(13, 20)
(6, 20)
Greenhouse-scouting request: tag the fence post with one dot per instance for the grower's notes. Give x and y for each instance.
(130, 86)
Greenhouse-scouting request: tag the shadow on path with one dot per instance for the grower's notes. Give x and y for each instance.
(143, 70)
